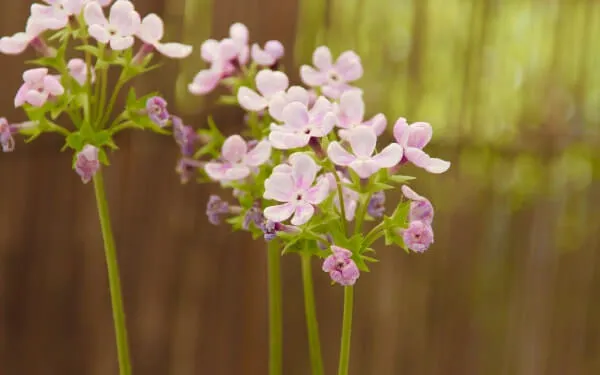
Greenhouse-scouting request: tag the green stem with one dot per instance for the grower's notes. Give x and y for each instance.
(374, 234)
(340, 197)
(361, 214)
(346, 331)
(312, 325)
(113, 276)
(275, 309)
(104, 117)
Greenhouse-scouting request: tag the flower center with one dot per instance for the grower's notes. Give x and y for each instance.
(299, 197)
(334, 77)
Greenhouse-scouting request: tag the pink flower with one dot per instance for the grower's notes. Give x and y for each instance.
(340, 266)
(269, 83)
(38, 87)
(152, 31)
(351, 111)
(363, 140)
(156, 107)
(87, 163)
(350, 196)
(332, 77)
(294, 188)
(78, 70)
(420, 207)
(268, 56)
(118, 30)
(6, 135)
(220, 55)
(418, 236)
(237, 160)
(413, 138)
(56, 13)
(300, 124)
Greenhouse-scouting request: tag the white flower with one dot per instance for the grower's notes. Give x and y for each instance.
(152, 31)
(118, 30)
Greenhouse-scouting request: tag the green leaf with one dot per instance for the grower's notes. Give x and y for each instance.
(75, 141)
(93, 50)
(102, 157)
(399, 179)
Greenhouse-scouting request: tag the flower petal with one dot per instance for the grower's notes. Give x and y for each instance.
(325, 126)
(349, 66)
(389, 156)
(261, 57)
(275, 48)
(352, 106)
(363, 140)
(322, 58)
(20, 96)
(239, 33)
(251, 100)
(234, 148)
(209, 50)
(279, 187)
(216, 171)
(237, 172)
(401, 131)
(279, 213)
(312, 77)
(302, 214)
(94, 15)
(152, 29)
(124, 18)
(295, 115)
(258, 155)
(174, 50)
(421, 159)
(283, 140)
(378, 123)
(339, 155)
(319, 192)
(14, 45)
(411, 194)
(36, 98)
(100, 33)
(419, 134)
(276, 105)
(269, 82)
(205, 81)
(33, 76)
(364, 168)
(321, 107)
(52, 86)
(297, 94)
(304, 171)
(120, 43)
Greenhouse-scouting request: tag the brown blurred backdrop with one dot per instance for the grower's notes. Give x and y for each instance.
(510, 286)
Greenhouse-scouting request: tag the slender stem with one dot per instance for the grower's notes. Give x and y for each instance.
(374, 234)
(111, 103)
(275, 309)
(340, 198)
(361, 214)
(113, 277)
(312, 325)
(346, 331)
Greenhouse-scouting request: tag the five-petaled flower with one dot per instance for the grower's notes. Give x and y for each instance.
(87, 163)
(333, 78)
(363, 140)
(301, 124)
(413, 138)
(418, 236)
(293, 186)
(118, 30)
(156, 107)
(38, 87)
(351, 111)
(340, 266)
(151, 32)
(420, 207)
(237, 160)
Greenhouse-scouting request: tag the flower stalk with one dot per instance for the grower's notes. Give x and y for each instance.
(275, 308)
(310, 310)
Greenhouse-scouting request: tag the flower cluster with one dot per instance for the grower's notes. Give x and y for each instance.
(76, 90)
(310, 166)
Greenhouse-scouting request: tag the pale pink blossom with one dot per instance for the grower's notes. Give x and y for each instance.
(421, 208)
(269, 84)
(413, 138)
(38, 87)
(269, 55)
(87, 163)
(340, 266)
(293, 186)
(17, 43)
(78, 70)
(118, 30)
(332, 78)
(418, 236)
(151, 32)
(301, 124)
(237, 160)
(220, 54)
(351, 111)
(363, 141)
(279, 101)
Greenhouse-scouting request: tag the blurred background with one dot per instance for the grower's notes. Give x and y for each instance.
(512, 89)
